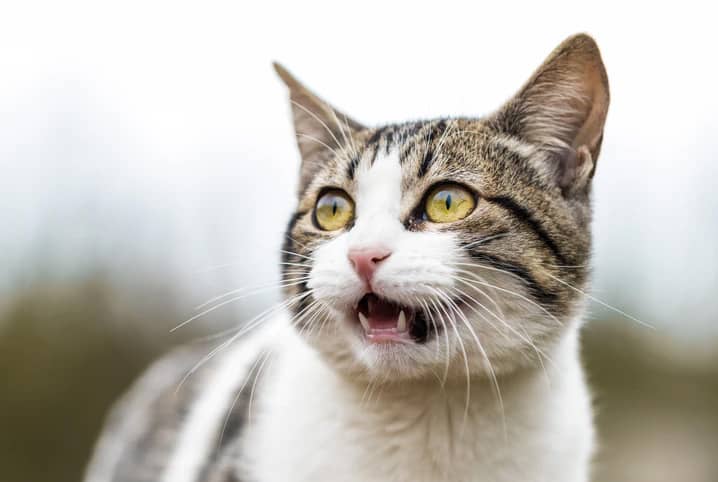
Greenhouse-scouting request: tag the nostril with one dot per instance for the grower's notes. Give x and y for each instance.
(379, 258)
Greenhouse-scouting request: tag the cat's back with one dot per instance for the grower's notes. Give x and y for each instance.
(182, 418)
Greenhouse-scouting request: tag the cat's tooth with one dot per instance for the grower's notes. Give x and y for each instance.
(401, 323)
(364, 322)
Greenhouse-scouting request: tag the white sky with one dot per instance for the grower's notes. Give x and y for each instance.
(157, 133)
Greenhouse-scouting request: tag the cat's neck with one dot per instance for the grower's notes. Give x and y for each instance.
(435, 432)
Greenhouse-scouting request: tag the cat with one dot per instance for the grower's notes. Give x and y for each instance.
(433, 275)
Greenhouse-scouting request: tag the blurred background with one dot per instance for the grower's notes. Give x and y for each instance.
(147, 164)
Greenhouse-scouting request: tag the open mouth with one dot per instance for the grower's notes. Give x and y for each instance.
(387, 322)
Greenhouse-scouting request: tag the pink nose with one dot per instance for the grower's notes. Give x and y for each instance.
(366, 260)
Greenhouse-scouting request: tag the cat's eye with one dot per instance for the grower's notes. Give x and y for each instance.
(447, 203)
(334, 210)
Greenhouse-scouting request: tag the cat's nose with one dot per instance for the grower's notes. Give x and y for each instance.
(367, 260)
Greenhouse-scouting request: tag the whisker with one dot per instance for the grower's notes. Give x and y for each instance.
(325, 319)
(250, 325)
(523, 337)
(366, 396)
(258, 289)
(355, 151)
(568, 266)
(301, 245)
(308, 328)
(344, 135)
(300, 265)
(231, 300)
(254, 385)
(339, 144)
(603, 303)
(263, 354)
(493, 268)
(444, 136)
(420, 302)
(319, 141)
(447, 358)
(486, 240)
(518, 295)
(216, 336)
(293, 322)
(494, 379)
(468, 297)
(310, 258)
(483, 293)
(466, 363)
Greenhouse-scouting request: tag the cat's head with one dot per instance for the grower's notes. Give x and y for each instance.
(437, 247)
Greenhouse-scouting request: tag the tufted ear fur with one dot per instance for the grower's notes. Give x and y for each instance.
(562, 110)
(320, 129)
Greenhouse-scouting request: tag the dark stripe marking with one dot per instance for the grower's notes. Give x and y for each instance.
(288, 241)
(429, 153)
(414, 128)
(537, 291)
(288, 245)
(236, 419)
(406, 152)
(389, 141)
(352, 167)
(525, 216)
(374, 139)
(427, 160)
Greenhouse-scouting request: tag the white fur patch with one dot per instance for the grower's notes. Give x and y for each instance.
(378, 201)
(419, 265)
(315, 426)
(204, 422)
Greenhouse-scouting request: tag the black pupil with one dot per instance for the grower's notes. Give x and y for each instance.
(334, 208)
(448, 201)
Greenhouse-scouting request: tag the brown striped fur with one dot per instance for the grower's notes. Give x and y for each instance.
(531, 163)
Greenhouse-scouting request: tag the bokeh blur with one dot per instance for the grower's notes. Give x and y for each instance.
(147, 164)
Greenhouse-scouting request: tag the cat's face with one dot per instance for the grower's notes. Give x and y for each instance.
(447, 247)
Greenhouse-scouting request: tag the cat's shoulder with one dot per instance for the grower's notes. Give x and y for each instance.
(144, 429)
(139, 427)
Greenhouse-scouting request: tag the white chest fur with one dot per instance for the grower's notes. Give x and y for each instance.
(312, 425)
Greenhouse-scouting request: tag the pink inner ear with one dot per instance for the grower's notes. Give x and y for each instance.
(590, 132)
(576, 170)
(568, 167)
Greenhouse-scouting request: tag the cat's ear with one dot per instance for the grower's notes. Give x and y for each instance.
(320, 129)
(562, 109)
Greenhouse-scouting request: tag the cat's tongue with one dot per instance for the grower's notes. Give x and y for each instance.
(382, 314)
(384, 321)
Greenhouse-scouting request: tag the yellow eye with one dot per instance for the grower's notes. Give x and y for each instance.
(448, 203)
(334, 210)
